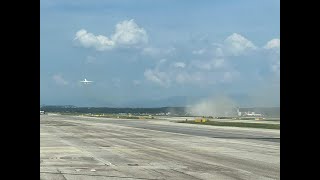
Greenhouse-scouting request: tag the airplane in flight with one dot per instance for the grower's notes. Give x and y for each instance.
(86, 81)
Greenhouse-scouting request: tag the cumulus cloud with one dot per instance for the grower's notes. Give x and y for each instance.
(179, 73)
(167, 76)
(158, 77)
(218, 63)
(219, 52)
(190, 72)
(273, 44)
(189, 78)
(127, 33)
(162, 61)
(218, 66)
(237, 45)
(58, 79)
(208, 65)
(179, 65)
(89, 40)
(164, 73)
(158, 52)
(199, 52)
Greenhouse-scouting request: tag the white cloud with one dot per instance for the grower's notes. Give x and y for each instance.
(273, 44)
(157, 52)
(89, 40)
(219, 52)
(217, 44)
(127, 33)
(199, 52)
(59, 79)
(189, 78)
(219, 68)
(218, 63)
(162, 61)
(215, 73)
(179, 65)
(160, 78)
(237, 45)
(274, 47)
(213, 64)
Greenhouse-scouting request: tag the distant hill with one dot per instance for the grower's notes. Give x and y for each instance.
(107, 110)
(268, 111)
(175, 101)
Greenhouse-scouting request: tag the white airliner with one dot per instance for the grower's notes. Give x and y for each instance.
(86, 82)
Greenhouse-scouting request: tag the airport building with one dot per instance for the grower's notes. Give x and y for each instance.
(249, 112)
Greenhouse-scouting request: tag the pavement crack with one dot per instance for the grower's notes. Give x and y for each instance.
(185, 174)
(59, 172)
(124, 177)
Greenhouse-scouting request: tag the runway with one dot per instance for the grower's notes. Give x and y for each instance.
(98, 148)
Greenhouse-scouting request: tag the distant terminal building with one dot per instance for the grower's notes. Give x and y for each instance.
(249, 112)
(271, 112)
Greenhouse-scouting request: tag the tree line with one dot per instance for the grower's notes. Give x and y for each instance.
(108, 110)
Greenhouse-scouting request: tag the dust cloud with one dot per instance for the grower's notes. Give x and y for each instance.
(213, 106)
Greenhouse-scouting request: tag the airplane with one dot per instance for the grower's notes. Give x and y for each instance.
(86, 82)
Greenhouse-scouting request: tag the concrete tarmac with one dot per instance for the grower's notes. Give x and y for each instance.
(98, 148)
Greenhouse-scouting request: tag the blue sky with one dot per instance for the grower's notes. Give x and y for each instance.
(136, 50)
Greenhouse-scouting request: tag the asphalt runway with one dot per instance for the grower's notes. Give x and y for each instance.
(98, 148)
(195, 130)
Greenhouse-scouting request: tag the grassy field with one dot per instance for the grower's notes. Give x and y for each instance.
(235, 124)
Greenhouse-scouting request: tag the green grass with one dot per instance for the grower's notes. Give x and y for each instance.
(236, 124)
